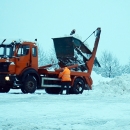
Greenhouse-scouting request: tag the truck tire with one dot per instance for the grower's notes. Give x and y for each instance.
(78, 86)
(29, 85)
(4, 89)
(53, 90)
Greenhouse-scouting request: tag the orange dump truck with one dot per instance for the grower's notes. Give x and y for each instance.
(19, 66)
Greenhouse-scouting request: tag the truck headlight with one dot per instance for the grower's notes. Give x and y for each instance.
(7, 78)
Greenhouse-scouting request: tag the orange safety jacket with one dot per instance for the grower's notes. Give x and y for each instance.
(65, 75)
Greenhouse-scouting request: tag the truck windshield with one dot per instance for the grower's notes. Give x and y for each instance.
(6, 51)
(23, 50)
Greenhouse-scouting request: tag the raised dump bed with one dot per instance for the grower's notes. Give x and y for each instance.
(70, 51)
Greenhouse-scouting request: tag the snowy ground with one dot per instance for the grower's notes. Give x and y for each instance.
(106, 107)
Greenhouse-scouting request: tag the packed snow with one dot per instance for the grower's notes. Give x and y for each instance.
(106, 107)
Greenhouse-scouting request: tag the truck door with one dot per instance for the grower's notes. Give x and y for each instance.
(34, 58)
(22, 58)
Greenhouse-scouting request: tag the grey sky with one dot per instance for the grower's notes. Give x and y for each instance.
(46, 19)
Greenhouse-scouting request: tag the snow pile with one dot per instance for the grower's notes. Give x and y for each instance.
(112, 87)
(97, 78)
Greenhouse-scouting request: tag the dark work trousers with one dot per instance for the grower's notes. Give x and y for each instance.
(63, 84)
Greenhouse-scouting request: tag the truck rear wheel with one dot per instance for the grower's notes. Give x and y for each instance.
(4, 89)
(52, 90)
(29, 85)
(78, 86)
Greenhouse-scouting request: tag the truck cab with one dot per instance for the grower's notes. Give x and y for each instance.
(16, 60)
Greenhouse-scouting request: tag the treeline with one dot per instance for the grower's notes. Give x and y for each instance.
(110, 66)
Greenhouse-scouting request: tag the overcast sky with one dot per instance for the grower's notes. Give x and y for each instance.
(46, 19)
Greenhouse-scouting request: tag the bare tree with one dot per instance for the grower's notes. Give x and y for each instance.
(52, 58)
(42, 57)
(126, 68)
(110, 66)
(46, 57)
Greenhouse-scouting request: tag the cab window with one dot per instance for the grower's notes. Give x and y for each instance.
(23, 50)
(34, 52)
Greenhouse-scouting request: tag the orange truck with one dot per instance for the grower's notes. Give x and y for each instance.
(19, 66)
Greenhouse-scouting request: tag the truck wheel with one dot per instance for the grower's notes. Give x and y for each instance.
(29, 85)
(4, 89)
(78, 86)
(52, 90)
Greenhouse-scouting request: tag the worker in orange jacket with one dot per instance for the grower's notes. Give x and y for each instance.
(65, 80)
